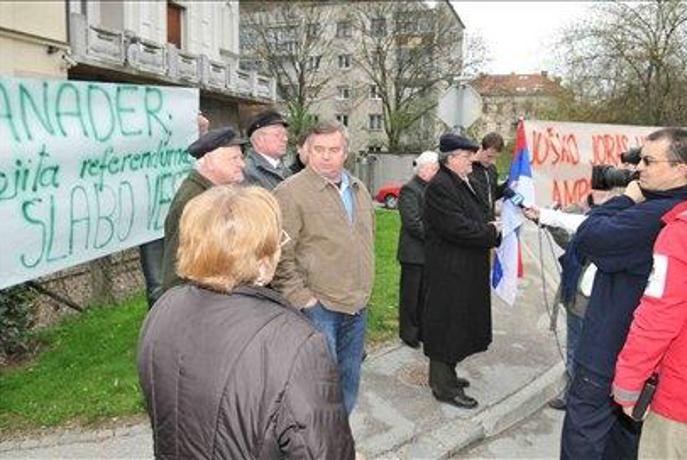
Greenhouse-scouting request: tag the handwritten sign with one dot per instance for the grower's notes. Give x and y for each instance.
(562, 155)
(86, 169)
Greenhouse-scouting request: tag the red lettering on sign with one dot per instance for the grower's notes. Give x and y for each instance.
(567, 192)
(552, 147)
(606, 148)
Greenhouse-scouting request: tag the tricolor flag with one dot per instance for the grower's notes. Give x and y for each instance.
(507, 267)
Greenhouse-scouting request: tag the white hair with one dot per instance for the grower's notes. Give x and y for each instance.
(425, 158)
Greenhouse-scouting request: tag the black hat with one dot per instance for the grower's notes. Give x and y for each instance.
(214, 139)
(266, 118)
(450, 142)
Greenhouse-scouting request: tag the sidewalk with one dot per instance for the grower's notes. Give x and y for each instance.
(396, 416)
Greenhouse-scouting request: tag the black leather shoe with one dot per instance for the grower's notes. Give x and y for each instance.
(411, 343)
(462, 383)
(459, 400)
(557, 403)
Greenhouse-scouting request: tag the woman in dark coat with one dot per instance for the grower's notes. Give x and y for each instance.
(228, 368)
(459, 236)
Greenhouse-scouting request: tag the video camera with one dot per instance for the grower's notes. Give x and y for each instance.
(606, 177)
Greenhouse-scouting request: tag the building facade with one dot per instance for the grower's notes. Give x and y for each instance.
(329, 47)
(33, 39)
(185, 43)
(506, 98)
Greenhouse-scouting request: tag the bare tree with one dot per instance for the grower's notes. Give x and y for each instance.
(410, 52)
(627, 65)
(288, 40)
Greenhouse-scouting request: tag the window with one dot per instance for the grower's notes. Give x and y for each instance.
(289, 47)
(342, 118)
(344, 29)
(374, 149)
(375, 123)
(374, 92)
(344, 61)
(378, 27)
(313, 63)
(312, 30)
(344, 92)
(314, 118)
(174, 21)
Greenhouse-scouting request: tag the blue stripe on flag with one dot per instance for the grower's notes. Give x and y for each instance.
(496, 272)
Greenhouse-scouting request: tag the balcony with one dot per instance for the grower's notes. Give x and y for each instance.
(146, 56)
(124, 52)
(97, 43)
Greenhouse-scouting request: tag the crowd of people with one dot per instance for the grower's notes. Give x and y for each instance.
(254, 343)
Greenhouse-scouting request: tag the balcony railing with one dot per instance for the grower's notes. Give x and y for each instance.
(124, 51)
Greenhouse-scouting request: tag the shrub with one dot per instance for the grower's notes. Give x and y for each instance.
(16, 319)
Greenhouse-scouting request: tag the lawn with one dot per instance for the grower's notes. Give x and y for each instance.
(86, 372)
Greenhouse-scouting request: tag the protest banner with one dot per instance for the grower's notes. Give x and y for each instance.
(562, 155)
(86, 169)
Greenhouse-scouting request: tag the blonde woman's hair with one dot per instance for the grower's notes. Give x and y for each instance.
(224, 233)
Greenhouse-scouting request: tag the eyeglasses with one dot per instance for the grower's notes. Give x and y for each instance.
(648, 161)
(284, 239)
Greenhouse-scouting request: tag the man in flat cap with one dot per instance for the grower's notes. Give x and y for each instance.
(220, 162)
(459, 234)
(268, 138)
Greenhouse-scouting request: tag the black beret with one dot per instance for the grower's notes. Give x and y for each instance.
(214, 139)
(450, 142)
(266, 118)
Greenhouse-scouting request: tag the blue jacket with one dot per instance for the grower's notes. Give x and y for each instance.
(618, 237)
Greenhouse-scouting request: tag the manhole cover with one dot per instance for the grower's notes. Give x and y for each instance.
(413, 374)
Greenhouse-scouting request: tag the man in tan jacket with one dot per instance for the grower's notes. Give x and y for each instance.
(327, 268)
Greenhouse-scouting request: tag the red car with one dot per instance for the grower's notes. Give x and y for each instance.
(388, 194)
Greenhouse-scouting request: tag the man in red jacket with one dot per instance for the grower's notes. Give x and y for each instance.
(657, 342)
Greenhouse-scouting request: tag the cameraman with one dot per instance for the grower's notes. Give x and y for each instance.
(618, 237)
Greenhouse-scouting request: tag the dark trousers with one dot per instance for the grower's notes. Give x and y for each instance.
(594, 426)
(442, 378)
(151, 263)
(412, 301)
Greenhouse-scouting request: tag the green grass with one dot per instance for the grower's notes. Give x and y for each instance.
(383, 313)
(86, 372)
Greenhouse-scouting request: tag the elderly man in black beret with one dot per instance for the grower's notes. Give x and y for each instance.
(220, 162)
(459, 234)
(268, 138)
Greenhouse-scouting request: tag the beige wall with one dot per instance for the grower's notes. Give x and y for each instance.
(26, 30)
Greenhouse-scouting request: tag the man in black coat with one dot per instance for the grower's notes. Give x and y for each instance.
(484, 176)
(459, 236)
(411, 248)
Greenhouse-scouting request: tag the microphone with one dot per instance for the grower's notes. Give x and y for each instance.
(514, 197)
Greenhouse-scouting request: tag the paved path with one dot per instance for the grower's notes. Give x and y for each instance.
(538, 437)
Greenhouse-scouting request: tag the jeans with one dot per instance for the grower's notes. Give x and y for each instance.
(573, 325)
(345, 338)
(151, 263)
(595, 426)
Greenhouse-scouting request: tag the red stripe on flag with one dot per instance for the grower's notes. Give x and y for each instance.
(520, 270)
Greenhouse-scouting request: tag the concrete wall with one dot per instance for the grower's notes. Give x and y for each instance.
(27, 29)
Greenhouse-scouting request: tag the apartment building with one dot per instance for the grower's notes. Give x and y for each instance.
(185, 43)
(508, 97)
(340, 39)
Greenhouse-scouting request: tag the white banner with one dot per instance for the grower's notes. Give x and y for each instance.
(86, 169)
(562, 155)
